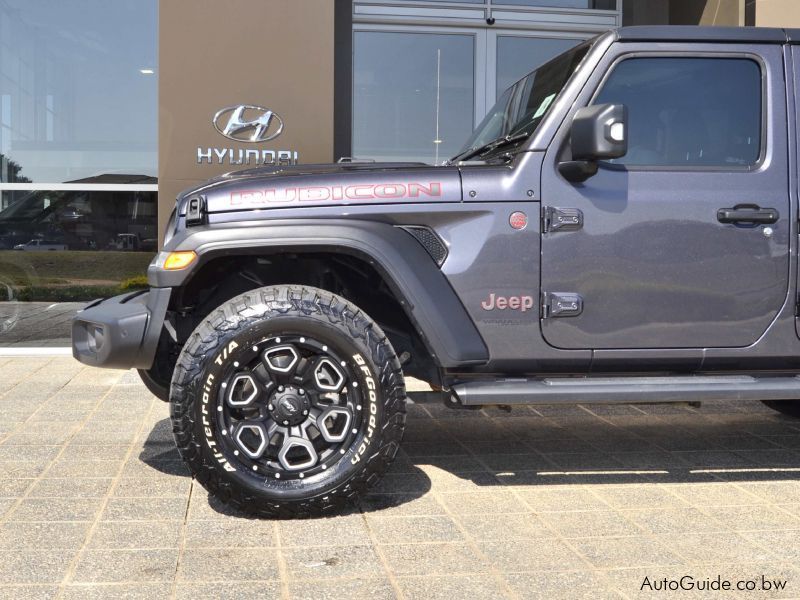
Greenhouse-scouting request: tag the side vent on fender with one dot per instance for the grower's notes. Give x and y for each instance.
(429, 240)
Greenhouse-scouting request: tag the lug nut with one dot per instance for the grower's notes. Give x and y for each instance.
(280, 388)
(305, 412)
(286, 422)
(270, 407)
(301, 392)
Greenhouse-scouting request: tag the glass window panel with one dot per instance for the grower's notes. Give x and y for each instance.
(74, 103)
(689, 111)
(46, 258)
(413, 95)
(589, 4)
(517, 56)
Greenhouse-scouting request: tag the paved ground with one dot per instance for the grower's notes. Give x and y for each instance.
(36, 323)
(548, 503)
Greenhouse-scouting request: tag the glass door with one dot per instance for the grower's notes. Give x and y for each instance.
(419, 91)
(414, 92)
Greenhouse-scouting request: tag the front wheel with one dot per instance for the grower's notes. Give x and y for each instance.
(287, 401)
(790, 408)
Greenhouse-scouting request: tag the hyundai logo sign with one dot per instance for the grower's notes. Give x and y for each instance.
(251, 124)
(248, 123)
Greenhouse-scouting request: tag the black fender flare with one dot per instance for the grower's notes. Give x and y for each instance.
(422, 289)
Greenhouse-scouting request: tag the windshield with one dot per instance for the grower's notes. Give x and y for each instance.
(521, 108)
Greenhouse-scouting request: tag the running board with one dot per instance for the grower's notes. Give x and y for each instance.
(627, 390)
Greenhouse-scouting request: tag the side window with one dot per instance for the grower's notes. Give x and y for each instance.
(697, 112)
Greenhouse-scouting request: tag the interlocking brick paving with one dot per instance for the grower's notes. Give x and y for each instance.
(551, 502)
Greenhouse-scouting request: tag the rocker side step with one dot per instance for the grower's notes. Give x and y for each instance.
(627, 390)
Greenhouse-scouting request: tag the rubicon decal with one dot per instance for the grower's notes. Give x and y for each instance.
(496, 302)
(321, 193)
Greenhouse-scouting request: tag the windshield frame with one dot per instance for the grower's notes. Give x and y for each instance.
(519, 93)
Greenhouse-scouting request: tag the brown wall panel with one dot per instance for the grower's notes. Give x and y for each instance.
(278, 54)
(706, 12)
(777, 13)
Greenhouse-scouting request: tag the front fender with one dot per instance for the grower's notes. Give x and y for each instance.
(422, 289)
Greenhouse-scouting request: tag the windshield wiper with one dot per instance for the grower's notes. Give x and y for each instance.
(489, 146)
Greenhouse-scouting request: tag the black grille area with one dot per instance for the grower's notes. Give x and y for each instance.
(430, 241)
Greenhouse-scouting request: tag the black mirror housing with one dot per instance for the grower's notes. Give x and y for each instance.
(600, 132)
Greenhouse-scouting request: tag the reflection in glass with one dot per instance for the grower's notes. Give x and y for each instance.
(688, 111)
(47, 271)
(413, 95)
(589, 4)
(73, 100)
(517, 56)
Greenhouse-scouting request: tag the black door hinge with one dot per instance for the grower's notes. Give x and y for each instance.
(196, 210)
(561, 304)
(561, 219)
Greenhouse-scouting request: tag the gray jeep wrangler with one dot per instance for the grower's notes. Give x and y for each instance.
(622, 227)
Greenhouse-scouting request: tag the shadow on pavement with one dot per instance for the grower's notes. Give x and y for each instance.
(565, 445)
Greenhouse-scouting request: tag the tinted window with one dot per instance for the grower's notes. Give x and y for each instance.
(689, 111)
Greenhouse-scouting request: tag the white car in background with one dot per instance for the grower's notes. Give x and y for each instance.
(40, 246)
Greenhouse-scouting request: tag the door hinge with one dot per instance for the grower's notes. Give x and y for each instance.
(561, 219)
(561, 304)
(196, 210)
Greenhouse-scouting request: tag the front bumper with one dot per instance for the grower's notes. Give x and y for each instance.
(120, 332)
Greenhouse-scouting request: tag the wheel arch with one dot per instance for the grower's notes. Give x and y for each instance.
(426, 297)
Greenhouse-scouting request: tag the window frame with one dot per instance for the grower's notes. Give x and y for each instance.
(763, 138)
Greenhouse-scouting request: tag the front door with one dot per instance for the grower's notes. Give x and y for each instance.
(662, 254)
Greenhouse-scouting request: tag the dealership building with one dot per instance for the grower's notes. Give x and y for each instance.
(109, 109)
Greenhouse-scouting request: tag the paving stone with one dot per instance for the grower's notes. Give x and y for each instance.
(138, 534)
(29, 592)
(332, 562)
(230, 533)
(156, 485)
(716, 494)
(651, 496)
(144, 509)
(528, 555)
(57, 509)
(582, 524)
(447, 588)
(627, 551)
(400, 505)
(716, 548)
(71, 487)
(35, 566)
(578, 585)
(483, 502)
(335, 589)
(389, 530)
(686, 520)
(126, 565)
(436, 558)
(229, 590)
(560, 498)
(42, 535)
(331, 531)
(492, 526)
(754, 518)
(227, 564)
(128, 591)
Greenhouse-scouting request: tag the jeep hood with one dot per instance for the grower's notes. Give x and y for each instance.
(329, 184)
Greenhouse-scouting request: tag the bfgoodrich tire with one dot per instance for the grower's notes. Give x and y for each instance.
(287, 401)
(790, 408)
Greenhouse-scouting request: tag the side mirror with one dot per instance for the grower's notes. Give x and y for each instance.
(598, 132)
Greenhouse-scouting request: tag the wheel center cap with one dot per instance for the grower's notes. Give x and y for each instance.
(289, 407)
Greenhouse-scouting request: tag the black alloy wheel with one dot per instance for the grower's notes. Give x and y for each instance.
(287, 401)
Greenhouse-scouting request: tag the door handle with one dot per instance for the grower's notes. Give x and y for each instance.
(748, 214)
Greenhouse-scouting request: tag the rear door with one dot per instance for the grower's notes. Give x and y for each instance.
(663, 255)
